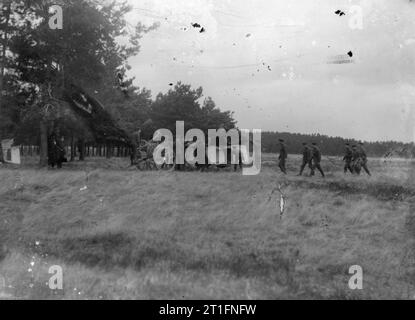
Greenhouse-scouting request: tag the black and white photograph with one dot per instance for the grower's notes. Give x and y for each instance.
(220, 151)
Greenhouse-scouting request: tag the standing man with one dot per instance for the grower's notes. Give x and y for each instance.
(283, 156)
(356, 161)
(307, 159)
(363, 157)
(317, 159)
(56, 152)
(348, 159)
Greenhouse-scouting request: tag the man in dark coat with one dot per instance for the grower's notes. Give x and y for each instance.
(363, 156)
(56, 152)
(317, 159)
(348, 159)
(307, 159)
(356, 160)
(283, 156)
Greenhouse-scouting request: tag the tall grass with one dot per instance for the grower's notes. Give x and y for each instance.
(182, 235)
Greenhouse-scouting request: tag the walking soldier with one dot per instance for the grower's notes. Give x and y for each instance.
(307, 159)
(363, 156)
(317, 159)
(348, 159)
(283, 156)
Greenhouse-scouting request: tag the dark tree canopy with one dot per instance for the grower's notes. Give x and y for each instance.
(182, 103)
(42, 64)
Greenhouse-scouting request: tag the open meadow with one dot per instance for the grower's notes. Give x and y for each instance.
(119, 233)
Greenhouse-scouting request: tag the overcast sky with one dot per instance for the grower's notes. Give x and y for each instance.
(266, 60)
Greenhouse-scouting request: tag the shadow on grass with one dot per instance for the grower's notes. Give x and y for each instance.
(378, 190)
(109, 250)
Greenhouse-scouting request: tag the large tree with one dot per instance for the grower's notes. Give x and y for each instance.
(182, 103)
(6, 29)
(93, 46)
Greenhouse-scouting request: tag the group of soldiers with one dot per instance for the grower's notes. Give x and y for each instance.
(355, 158)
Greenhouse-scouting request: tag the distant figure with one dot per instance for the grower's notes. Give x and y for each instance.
(363, 157)
(356, 161)
(348, 158)
(307, 159)
(317, 159)
(56, 152)
(283, 156)
(135, 145)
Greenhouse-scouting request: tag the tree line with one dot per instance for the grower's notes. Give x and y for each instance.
(335, 146)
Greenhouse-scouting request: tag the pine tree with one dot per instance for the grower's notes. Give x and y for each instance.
(85, 52)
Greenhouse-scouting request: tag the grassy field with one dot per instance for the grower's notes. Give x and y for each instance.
(124, 234)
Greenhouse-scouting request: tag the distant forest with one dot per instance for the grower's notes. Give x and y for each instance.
(334, 146)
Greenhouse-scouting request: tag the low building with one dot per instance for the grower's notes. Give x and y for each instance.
(11, 153)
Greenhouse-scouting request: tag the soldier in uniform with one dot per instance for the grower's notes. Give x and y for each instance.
(307, 159)
(283, 156)
(348, 159)
(356, 161)
(363, 156)
(317, 159)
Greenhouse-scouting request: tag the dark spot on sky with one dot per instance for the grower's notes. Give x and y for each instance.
(171, 84)
(248, 35)
(198, 26)
(265, 65)
(350, 54)
(340, 13)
